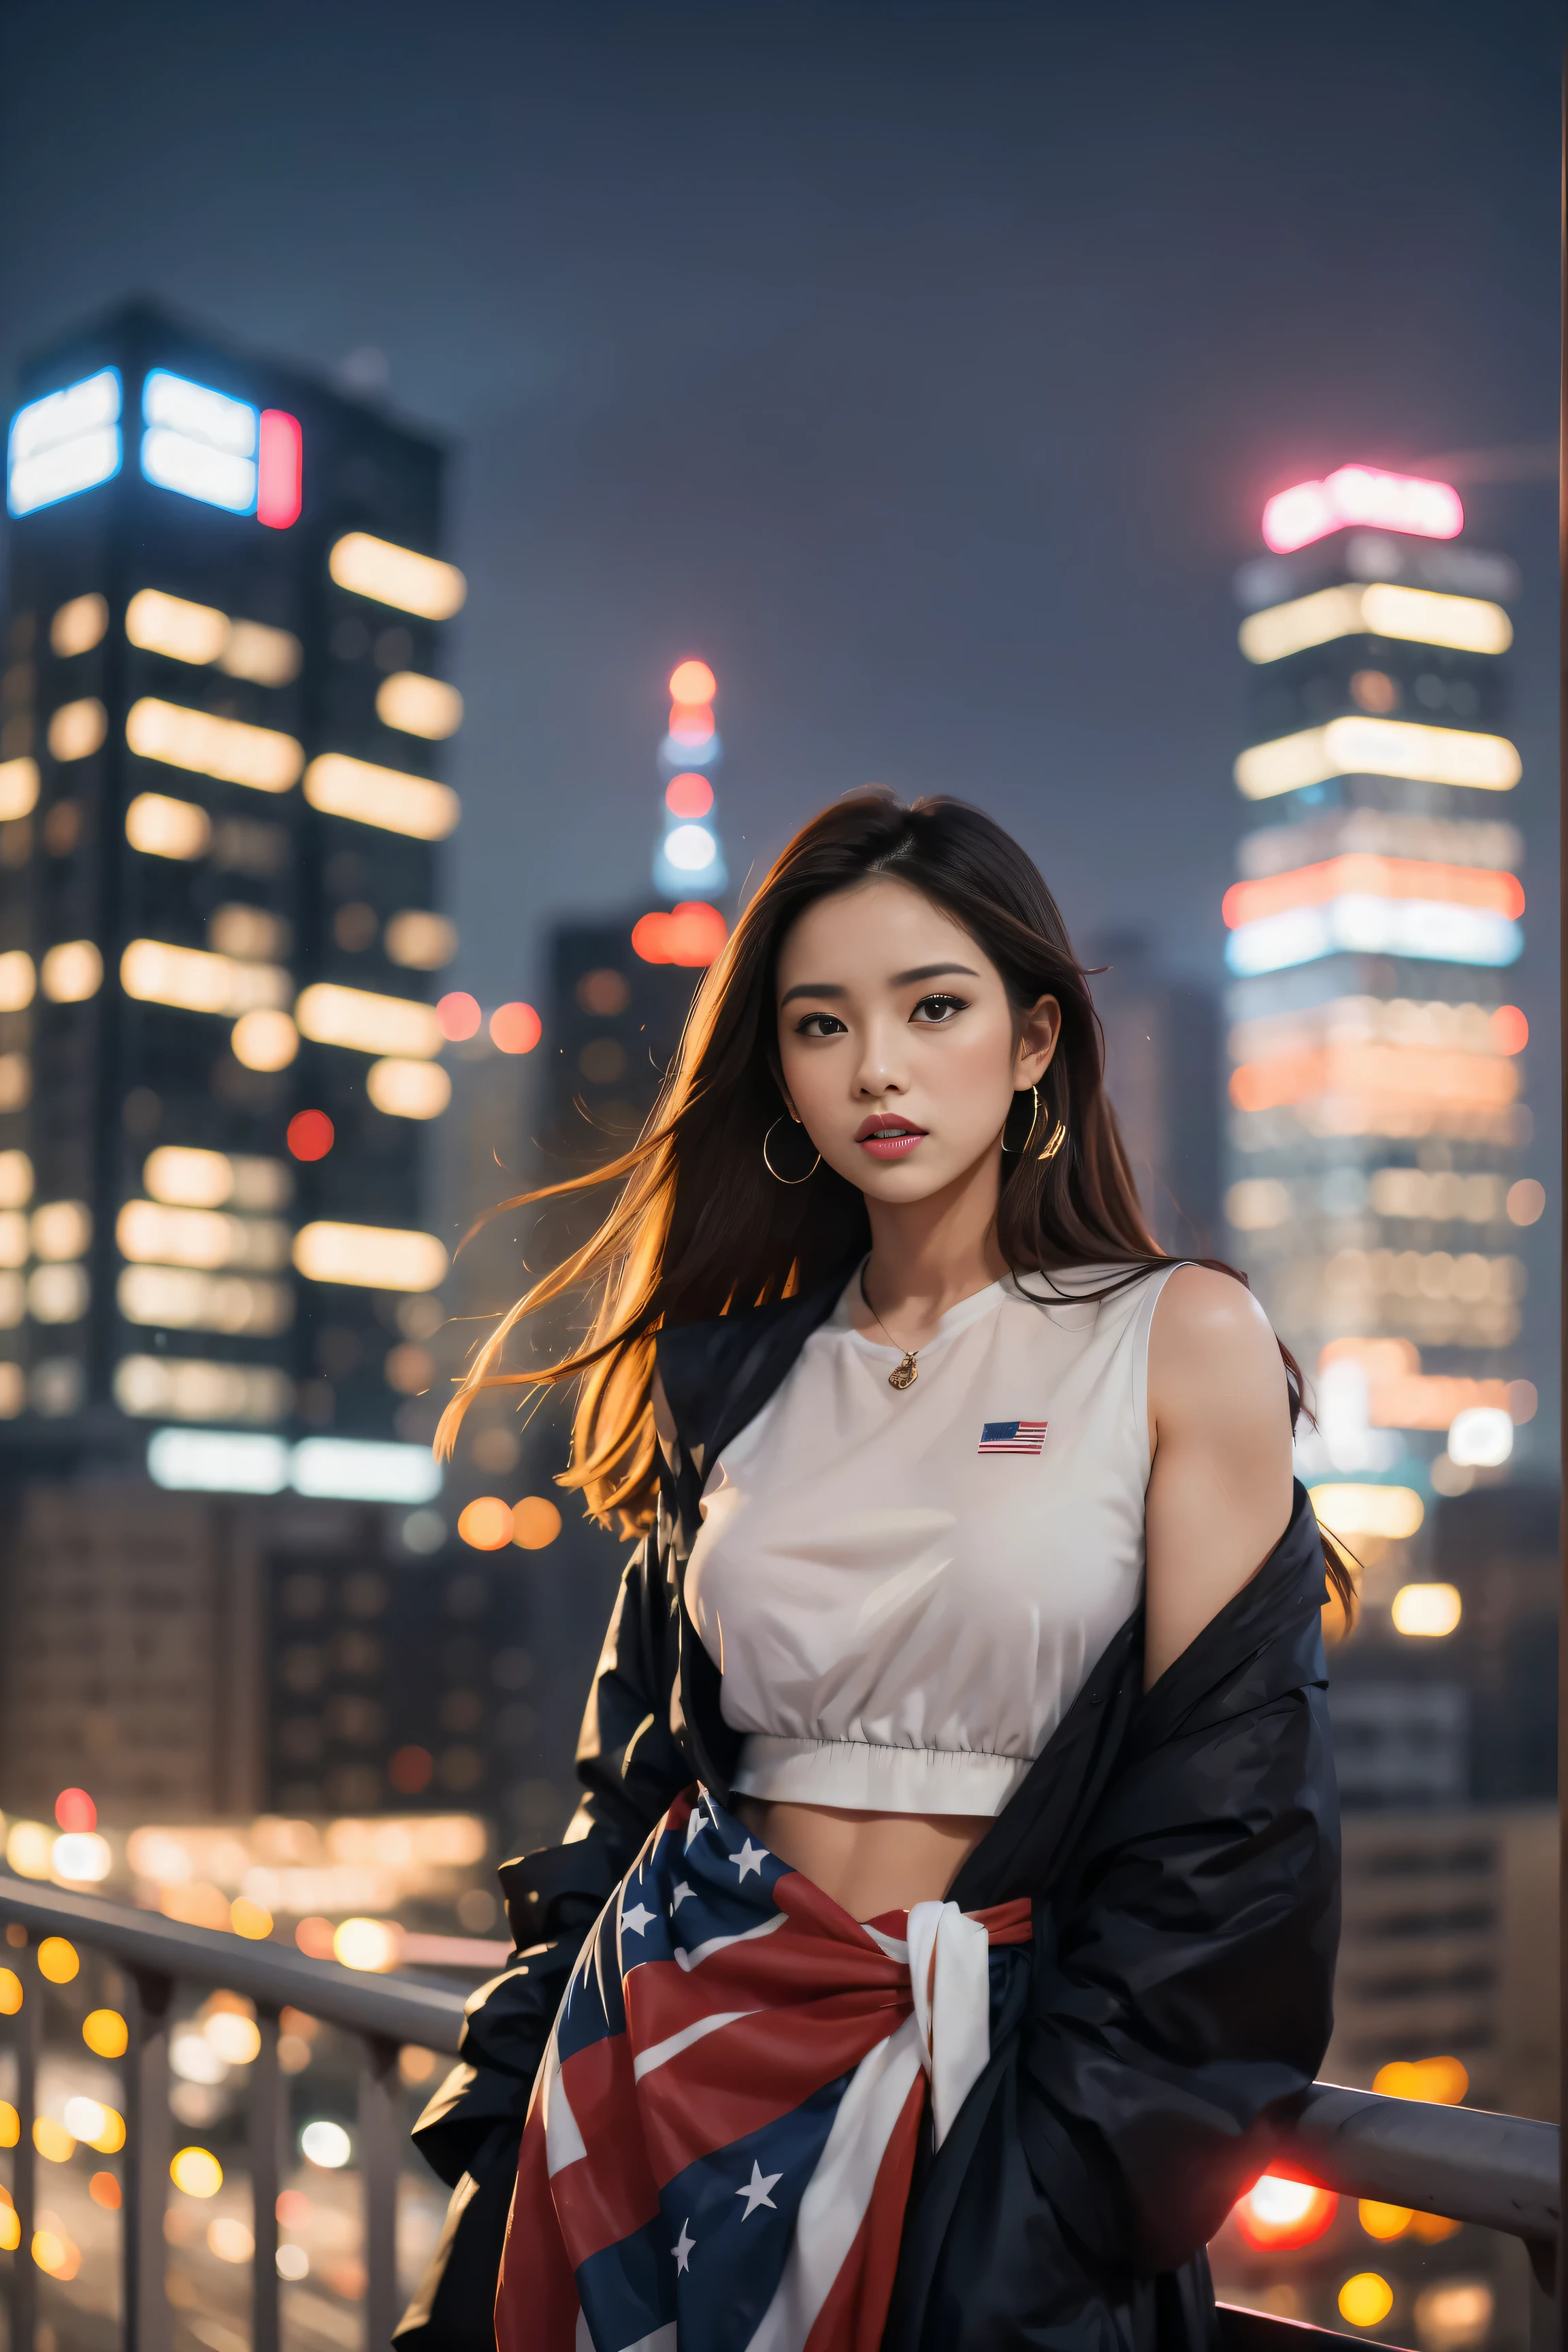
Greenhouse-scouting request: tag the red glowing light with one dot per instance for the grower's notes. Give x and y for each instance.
(1361, 494)
(1361, 873)
(292, 2209)
(693, 934)
(689, 795)
(310, 1135)
(279, 469)
(516, 1028)
(410, 1771)
(458, 1015)
(1510, 1030)
(75, 1811)
(1276, 2215)
(690, 723)
(314, 1938)
(692, 682)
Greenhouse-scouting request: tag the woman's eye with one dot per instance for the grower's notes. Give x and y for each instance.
(819, 1024)
(932, 1011)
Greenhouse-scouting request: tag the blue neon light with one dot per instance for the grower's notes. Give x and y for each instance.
(1432, 931)
(67, 442)
(199, 442)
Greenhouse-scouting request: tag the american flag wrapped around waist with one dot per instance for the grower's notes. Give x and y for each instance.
(719, 2149)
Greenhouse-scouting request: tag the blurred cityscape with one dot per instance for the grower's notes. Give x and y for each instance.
(268, 1668)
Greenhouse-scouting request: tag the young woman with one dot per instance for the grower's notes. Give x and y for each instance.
(954, 1903)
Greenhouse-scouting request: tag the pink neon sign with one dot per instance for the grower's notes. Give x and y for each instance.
(1361, 494)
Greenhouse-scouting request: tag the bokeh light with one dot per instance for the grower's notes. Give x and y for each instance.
(198, 2172)
(1365, 2299)
(516, 1028)
(74, 1809)
(326, 2145)
(689, 795)
(486, 1523)
(411, 1771)
(535, 1522)
(692, 682)
(458, 1015)
(373, 1945)
(310, 1135)
(1277, 2214)
(1443, 2081)
(58, 1959)
(105, 2034)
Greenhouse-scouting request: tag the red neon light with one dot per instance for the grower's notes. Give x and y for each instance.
(74, 1809)
(1360, 871)
(693, 934)
(689, 795)
(279, 469)
(310, 1135)
(1278, 2215)
(1361, 494)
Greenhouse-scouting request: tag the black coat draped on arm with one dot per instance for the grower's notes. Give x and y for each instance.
(1180, 1848)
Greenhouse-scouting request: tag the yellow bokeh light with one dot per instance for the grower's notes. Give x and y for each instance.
(172, 626)
(79, 626)
(10, 1992)
(385, 797)
(420, 706)
(105, 2032)
(53, 2142)
(56, 2255)
(1426, 1610)
(1383, 2220)
(368, 1944)
(10, 2125)
(368, 1024)
(1443, 2081)
(235, 752)
(71, 972)
(77, 729)
(1365, 2299)
(162, 827)
(370, 1257)
(10, 2228)
(193, 979)
(419, 940)
(485, 1523)
(58, 1959)
(18, 788)
(198, 2172)
(1394, 1512)
(402, 1089)
(397, 576)
(264, 1041)
(1378, 747)
(250, 1919)
(30, 1849)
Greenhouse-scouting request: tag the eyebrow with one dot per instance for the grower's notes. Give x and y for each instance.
(899, 979)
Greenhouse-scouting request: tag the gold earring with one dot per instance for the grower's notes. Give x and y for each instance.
(1034, 1118)
(1059, 1137)
(774, 1172)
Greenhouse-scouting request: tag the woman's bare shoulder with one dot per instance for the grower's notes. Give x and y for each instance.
(1212, 1352)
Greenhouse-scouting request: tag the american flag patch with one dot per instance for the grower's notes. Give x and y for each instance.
(1013, 1436)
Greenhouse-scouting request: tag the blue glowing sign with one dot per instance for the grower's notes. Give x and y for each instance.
(66, 442)
(199, 442)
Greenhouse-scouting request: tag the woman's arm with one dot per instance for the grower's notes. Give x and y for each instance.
(1219, 1426)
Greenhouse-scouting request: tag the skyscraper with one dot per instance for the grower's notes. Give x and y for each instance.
(1377, 1126)
(218, 925)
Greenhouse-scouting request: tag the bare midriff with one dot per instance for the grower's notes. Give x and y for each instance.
(868, 1862)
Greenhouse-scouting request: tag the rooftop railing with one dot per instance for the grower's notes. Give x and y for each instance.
(1498, 2172)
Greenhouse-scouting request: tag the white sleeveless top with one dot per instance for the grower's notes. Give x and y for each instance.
(905, 1591)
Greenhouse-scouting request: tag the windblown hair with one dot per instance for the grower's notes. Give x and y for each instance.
(698, 1227)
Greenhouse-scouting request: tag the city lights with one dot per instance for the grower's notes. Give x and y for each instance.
(181, 1299)
(385, 797)
(18, 789)
(1426, 1611)
(196, 2172)
(71, 972)
(420, 705)
(1365, 875)
(458, 1015)
(217, 1461)
(692, 934)
(1412, 615)
(310, 1135)
(266, 657)
(160, 827)
(1366, 495)
(360, 1470)
(408, 1089)
(264, 1041)
(175, 628)
(189, 1177)
(188, 1387)
(15, 1179)
(1481, 1436)
(79, 626)
(373, 1257)
(690, 848)
(1278, 2215)
(199, 442)
(148, 1233)
(1443, 2081)
(515, 1028)
(62, 1230)
(228, 748)
(1353, 1511)
(326, 2145)
(420, 942)
(1427, 930)
(18, 980)
(368, 1024)
(397, 576)
(76, 730)
(67, 442)
(59, 1294)
(1365, 2300)
(688, 796)
(248, 933)
(280, 474)
(1378, 747)
(193, 979)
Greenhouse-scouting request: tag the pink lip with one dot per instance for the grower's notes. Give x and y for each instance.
(890, 1139)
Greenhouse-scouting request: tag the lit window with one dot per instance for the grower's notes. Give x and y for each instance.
(1415, 615)
(63, 444)
(385, 797)
(251, 933)
(79, 626)
(186, 1177)
(372, 1258)
(71, 972)
(264, 1041)
(266, 656)
(419, 941)
(361, 1470)
(175, 628)
(397, 576)
(18, 788)
(18, 979)
(15, 1078)
(420, 705)
(217, 1461)
(15, 1241)
(1356, 1510)
(209, 746)
(194, 980)
(1378, 747)
(16, 1182)
(147, 1232)
(187, 1388)
(408, 1089)
(182, 1299)
(62, 1230)
(368, 1024)
(1426, 1610)
(76, 728)
(1366, 495)
(199, 442)
(160, 827)
(57, 1294)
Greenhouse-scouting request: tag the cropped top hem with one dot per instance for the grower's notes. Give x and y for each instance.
(859, 1777)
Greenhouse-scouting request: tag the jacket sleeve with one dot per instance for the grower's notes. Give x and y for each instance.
(632, 1768)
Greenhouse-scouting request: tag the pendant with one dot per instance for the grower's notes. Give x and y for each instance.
(904, 1375)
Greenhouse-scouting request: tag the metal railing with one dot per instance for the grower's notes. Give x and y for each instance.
(1498, 2172)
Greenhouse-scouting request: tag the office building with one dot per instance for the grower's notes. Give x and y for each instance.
(1163, 1075)
(219, 925)
(1378, 1135)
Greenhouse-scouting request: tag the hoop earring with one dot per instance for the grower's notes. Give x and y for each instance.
(1059, 1137)
(772, 1172)
(1034, 1118)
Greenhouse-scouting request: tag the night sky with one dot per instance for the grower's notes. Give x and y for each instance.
(923, 368)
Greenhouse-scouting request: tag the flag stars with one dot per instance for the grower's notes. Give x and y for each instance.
(755, 2191)
(636, 1921)
(682, 2247)
(681, 1891)
(750, 1857)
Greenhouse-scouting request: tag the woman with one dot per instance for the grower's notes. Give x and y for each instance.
(955, 1889)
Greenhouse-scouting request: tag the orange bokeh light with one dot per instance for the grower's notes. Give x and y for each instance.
(486, 1523)
(692, 682)
(1359, 873)
(690, 795)
(690, 723)
(1277, 2214)
(693, 934)
(516, 1028)
(74, 1809)
(458, 1015)
(1510, 1030)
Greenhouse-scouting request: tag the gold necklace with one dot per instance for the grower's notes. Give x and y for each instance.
(904, 1375)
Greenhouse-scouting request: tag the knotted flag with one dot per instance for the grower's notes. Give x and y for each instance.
(720, 2140)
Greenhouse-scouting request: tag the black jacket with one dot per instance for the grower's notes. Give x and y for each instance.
(1181, 1849)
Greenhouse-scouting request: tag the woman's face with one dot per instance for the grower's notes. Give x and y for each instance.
(899, 1051)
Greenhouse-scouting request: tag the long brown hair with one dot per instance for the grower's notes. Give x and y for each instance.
(699, 1226)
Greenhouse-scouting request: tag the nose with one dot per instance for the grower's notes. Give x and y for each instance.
(881, 1071)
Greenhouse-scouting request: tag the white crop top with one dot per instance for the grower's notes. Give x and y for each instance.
(905, 1592)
